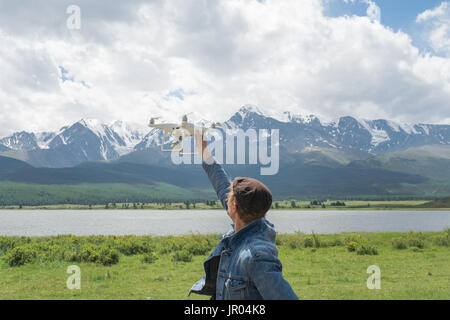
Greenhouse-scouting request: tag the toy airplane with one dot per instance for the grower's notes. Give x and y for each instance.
(179, 131)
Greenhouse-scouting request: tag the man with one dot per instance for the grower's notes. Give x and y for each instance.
(244, 265)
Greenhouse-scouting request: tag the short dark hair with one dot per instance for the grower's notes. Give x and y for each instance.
(252, 198)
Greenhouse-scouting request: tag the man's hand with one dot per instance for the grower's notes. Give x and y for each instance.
(201, 144)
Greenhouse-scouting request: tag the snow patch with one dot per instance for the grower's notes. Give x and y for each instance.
(289, 117)
(425, 128)
(378, 136)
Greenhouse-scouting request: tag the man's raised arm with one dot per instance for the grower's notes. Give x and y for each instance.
(216, 174)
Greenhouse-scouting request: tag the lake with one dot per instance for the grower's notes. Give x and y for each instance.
(160, 222)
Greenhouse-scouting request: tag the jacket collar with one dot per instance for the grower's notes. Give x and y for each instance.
(233, 238)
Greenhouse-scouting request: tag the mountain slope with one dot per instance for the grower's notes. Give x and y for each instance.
(126, 173)
(297, 178)
(432, 161)
(12, 165)
(439, 203)
(3, 148)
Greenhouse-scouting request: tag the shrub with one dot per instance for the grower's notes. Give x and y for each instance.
(294, 242)
(89, 254)
(48, 252)
(108, 256)
(7, 244)
(446, 233)
(365, 248)
(316, 241)
(308, 242)
(399, 243)
(416, 242)
(336, 243)
(353, 238)
(71, 256)
(149, 257)
(103, 255)
(198, 248)
(170, 245)
(132, 245)
(413, 239)
(20, 256)
(182, 255)
(444, 239)
(351, 246)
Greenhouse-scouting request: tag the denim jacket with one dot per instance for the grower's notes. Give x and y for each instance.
(244, 265)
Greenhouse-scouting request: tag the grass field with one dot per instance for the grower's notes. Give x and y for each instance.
(413, 266)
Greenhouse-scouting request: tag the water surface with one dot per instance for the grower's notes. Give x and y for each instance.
(161, 222)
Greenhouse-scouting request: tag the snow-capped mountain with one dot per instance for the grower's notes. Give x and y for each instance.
(85, 140)
(298, 132)
(97, 141)
(92, 140)
(44, 138)
(20, 141)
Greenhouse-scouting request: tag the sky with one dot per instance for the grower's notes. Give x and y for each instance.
(399, 15)
(396, 14)
(138, 59)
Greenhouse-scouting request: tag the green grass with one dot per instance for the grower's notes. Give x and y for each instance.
(317, 266)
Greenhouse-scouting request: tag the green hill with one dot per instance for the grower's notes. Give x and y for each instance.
(27, 194)
(440, 203)
(8, 165)
(431, 161)
(417, 173)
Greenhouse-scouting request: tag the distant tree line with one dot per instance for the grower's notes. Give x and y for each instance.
(107, 195)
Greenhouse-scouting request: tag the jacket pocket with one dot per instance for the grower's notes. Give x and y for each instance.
(236, 289)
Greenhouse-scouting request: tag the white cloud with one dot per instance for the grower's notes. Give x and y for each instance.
(437, 27)
(127, 63)
(438, 12)
(373, 10)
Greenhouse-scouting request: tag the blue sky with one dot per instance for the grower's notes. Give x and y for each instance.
(396, 14)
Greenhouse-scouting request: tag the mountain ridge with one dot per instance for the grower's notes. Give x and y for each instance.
(92, 140)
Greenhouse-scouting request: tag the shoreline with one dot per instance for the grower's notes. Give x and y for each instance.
(63, 208)
(282, 205)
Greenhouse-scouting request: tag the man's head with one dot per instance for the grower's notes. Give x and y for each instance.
(249, 199)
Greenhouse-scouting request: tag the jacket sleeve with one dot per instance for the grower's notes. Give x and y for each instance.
(219, 180)
(265, 273)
